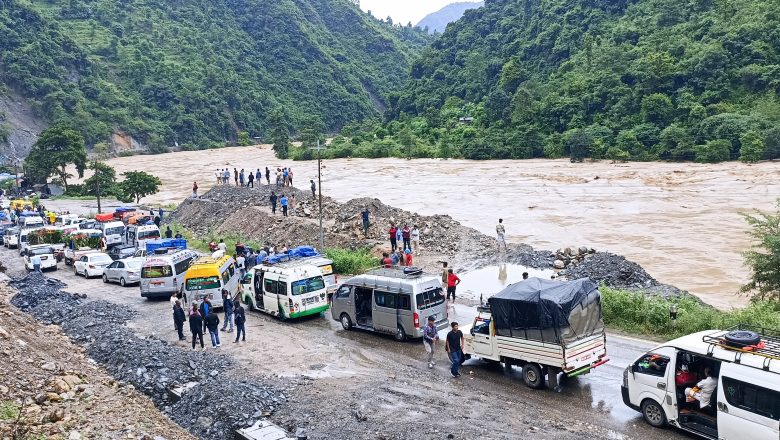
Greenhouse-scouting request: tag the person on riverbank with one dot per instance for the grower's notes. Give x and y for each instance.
(313, 188)
(218, 174)
(289, 177)
(454, 348)
(227, 307)
(212, 324)
(452, 283)
(240, 318)
(241, 176)
(259, 177)
(194, 190)
(278, 177)
(267, 175)
(366, 223)
(196, 326)
(501, 234)
(178, 319)
(226, 177)
(273, 202)
(235, 175)
(430, 336)
(250, 180)
(415, 237)
(393, 231)
(406, 236)
(286, 176)
(283, 202)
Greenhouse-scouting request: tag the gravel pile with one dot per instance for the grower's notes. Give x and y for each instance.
(612, 270)
(212, 409)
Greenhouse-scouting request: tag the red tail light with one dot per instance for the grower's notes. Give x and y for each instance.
(416, 320)
(292, 307)
(91, 266)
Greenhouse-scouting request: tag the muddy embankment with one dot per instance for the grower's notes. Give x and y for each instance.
(228, 209)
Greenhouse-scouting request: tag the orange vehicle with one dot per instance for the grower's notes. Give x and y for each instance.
(104, 217)
(138, 219)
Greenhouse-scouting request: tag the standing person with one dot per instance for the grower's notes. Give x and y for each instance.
(430, 336)
(286, 175)
(292, 203)
(240, 318)
(501, 234)
(259, 177)
(283, 203)
(313, 188)
(212, 323)
(160, 213)
(406, 235)
(102, 244)
(399, 237)
(408, 257)
(273, 202)
(227, 306)
(251, 180)
(393, 239)
(168, 232)
(366, 223)
(235, 175)
(194, 190)
(240, 248)
(226, 176)
(178, 319)
(455, 349)
(173, 299)
(204, 309)
(415, 237)
(196, 326)
(219, 176)
(267, 175)
(222, 246)
(452, 282)
(387, 262)
(278, 177)
(241, 177)
(289, 176)
(36, 262)
(241, 264)
(444, 276)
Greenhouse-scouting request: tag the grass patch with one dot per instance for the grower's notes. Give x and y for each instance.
(9, 411)
(201, 242)
(67, 197)
(639, 314)
(347, 261)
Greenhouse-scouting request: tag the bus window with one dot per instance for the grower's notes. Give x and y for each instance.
(156, 272)
(203, 283)
(225, 277)
(308, 285)
(271, 286)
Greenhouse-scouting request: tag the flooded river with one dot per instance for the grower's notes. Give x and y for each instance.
(681, 222)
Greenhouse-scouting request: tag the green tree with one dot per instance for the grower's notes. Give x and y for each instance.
(752, 149)
(280, 133)
(675, 142)
(763, 258)
(615, 154)
(103, 177)
(138, 184)
(579, 142)
(772, 144)
(627, 141)
(715, 151)
(56, 148)
(243, 139)
(657, 108)
(312, 129)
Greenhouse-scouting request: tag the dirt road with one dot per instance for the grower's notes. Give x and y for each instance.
(359, 385)
(680, 221)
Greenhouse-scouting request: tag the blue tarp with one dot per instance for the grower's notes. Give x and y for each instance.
(152, 245)
(292, 254)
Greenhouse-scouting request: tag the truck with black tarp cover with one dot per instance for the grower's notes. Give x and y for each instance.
(544, 326)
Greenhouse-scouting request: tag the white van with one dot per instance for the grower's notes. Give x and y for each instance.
(138, 235)
(31, 221)
(291, 289)
(163, 272)
(741, 400)
(68, 219)
(114, 232)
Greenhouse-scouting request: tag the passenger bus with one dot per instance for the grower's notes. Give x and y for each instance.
(208, 276)
(163, 272)
(291, 289)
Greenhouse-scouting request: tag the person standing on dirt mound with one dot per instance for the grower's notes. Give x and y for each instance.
(393, 237)
(259, 177)
(267, 176)
(178, 319)
(241, 176)
(196, 326)
(366, 223)
(251, 180)
(501, 234)
(273, 202)
(415, 237)
(313, 188)
(240, 318)
(283, 203)
(406, 235)
(194, 190)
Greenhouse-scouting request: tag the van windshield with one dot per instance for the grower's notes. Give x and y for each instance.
(308, 285)
(156, 272)
(203, 283)
(430, 299)
(116, 230)
(149, 235)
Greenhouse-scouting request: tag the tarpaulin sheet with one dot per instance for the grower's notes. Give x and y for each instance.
(548, 310)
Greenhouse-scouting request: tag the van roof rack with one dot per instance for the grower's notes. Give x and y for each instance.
(396, 272)
(769, 348)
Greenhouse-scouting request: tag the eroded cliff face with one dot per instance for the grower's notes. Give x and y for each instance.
(22, 124)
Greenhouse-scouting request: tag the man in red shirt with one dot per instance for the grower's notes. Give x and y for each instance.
(387, 262)
(393, 240)
(452, 282)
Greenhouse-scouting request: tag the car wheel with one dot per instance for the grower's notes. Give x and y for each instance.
(122, 282)
(105, 278)
(346, 322)
(653, 413)
(75, 270)
(400, 334)
(533, 376)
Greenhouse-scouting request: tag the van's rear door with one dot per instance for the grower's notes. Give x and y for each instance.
(748, 403)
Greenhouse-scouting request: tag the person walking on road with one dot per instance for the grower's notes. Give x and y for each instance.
(212, 323)
(501, 234)
(178, 319)
(283, 203)
(454, 348)
(366, 223)
(196, 326)
(273, 202)
(452, 282)
(313, 189)
(227, 306)
(393, 237)
(430, 336)
(415, 237)
(240, 318)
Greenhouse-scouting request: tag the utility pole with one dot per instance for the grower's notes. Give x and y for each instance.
(319, 188)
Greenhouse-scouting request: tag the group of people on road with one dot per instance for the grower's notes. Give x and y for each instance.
(203, 317)
(453, 345)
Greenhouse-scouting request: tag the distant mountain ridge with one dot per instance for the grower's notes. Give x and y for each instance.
(438, 21)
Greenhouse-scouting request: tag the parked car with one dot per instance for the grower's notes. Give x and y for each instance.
(91, 265)
(125, 271)
(11, 238)
(121, 252)
(43, 251)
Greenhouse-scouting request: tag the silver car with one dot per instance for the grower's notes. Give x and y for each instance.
(124, 272)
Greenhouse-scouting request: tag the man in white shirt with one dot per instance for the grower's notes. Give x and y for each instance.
(501, 234)
(222, 246)
(703, 390)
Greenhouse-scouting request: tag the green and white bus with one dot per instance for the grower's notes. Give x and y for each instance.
(288, 290)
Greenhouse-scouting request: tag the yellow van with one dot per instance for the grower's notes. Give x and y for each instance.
(207, 277)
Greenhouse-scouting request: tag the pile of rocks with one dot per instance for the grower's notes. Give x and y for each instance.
(571, 256)
(212, 409)
(611, 270)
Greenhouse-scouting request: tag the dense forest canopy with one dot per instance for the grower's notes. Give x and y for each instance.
(622, 79)
(196, 73)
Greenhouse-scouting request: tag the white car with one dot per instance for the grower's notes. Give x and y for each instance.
(124, 272)
(92, 265)
(43, 251)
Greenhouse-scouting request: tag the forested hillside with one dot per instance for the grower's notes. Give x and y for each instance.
(625, 79)
(197, 73)
(438, 21)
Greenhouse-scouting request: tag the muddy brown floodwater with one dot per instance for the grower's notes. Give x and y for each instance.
(680, 221)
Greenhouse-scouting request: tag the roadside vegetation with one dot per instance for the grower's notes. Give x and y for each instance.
(351, 262)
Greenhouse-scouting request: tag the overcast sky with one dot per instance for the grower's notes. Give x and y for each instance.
(404, 11)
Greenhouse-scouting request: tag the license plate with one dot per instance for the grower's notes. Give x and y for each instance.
(157, 283)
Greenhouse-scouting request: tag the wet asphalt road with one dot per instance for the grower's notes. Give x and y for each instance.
(320, 349)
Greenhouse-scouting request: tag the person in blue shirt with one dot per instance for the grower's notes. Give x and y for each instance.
(283, 203)
(366, 223)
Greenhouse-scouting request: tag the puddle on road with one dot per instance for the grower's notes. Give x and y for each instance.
(490, 280)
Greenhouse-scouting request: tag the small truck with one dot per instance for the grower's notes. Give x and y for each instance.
(546, 327)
